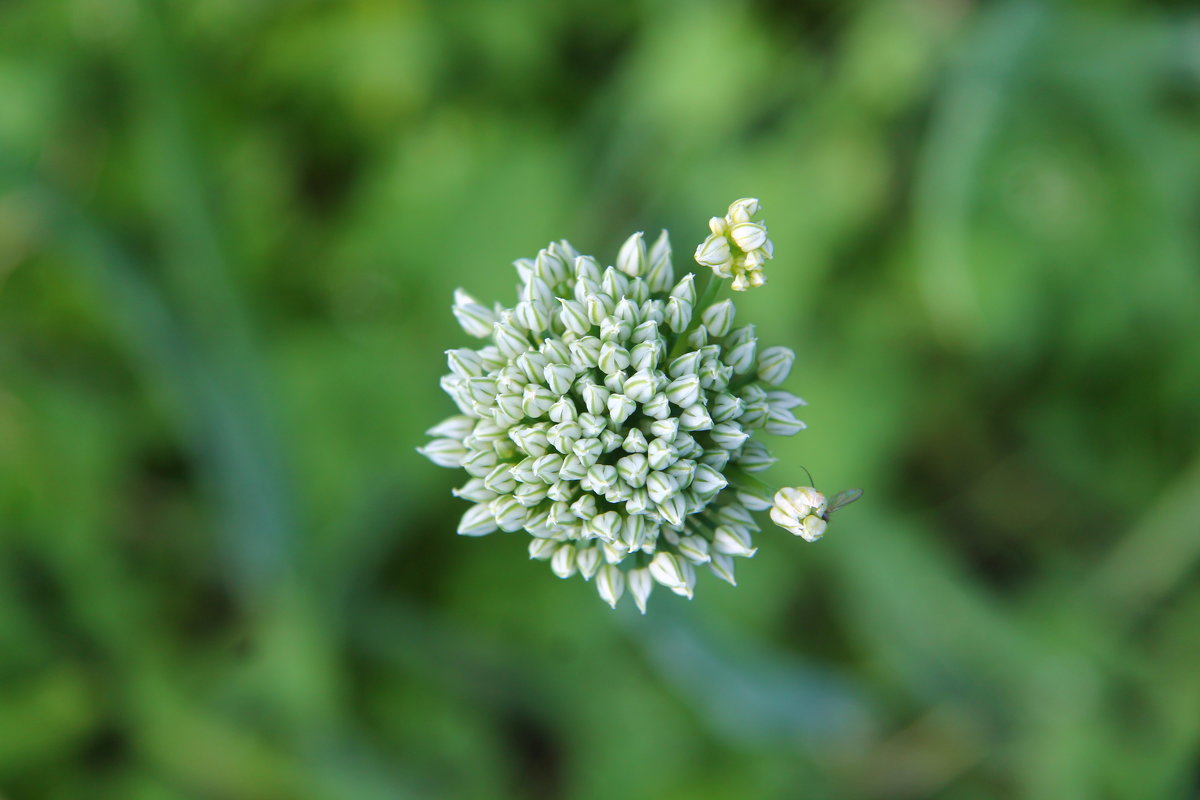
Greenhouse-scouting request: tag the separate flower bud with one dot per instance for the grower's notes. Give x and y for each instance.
(587, 560)
(794, 505)
(542, 549)
(733, 540)
(632, 258)
(718, 318)
(476, 320)
(444, 452)
(774, 364)
(722, 566)
(665, 568)
(562, 563)
(610, 583)
(640, 585)
(478, 521)
(694, 549)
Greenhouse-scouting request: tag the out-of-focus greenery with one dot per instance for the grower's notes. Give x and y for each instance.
(229, 231)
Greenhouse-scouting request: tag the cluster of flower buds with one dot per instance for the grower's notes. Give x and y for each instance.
(801, 510)
(613, 420)
(737, 247)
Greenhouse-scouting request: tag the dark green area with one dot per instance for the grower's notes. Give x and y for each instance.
(229, 232)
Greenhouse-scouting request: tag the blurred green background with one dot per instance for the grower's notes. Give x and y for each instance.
(229, 232)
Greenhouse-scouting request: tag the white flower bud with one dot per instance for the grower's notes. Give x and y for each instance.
(585, 507)
(678, 314)
(724, 407)
(536, 400)
(607, 526)
(510, 341)
(532, 365)
(548, 466)
(811, 528)
(563, 435)
(482, 390)
(633, 532)
(635, 442)
(531, 316)
(613, 357)
(444, 452)
(573, 317)
(633, 469)
(619, 408)
(753, 499)
(601, 477)
(695, 418)
(694, 549)
(475, 491)
(781, 422)
(638, 503)
(595, 398)
(500, 480)
(774, 364)
(610, 583)
(479, 463)
(685, 290)
(585, 352)
(672, 510)
(640, 585)
(542, 549)
(666, 429)
(658, 407)
(456, 427)
(748, 236)
(587, 560)
(632, 257)
(588, 449)
(641, 386)
(610, 439)
(559, 378)
(563, 410)
(733, 540)
(686, 364)
(562, 563)
(475, 319)
(555, 351)
(722, 566)
(478, 521)
(537, 291)
(741, 358)
(613, 552)
(574, 467)
(659, 487)
(728, 435)
(464, 363)
(661, 454)
(714, 251)
(592, 424)
(684, 391)
(794, 505)
(530, 494)
(718, 317)
(665, 568)
(660, 274)
(707, 481)
(586, 267)
(615, 381)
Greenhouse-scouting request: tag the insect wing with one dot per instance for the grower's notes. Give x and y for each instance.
(843, 498)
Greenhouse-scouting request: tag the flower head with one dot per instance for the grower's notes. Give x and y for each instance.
(801, 510)
(615, 422)
(738, 246)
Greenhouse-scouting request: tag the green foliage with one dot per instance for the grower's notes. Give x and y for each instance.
(229, 233)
